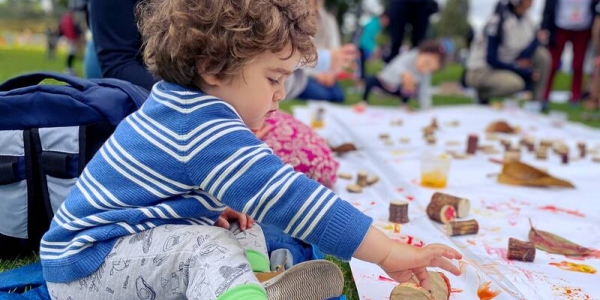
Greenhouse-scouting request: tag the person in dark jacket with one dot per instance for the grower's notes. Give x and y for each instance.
(507, 57)
(569, 21)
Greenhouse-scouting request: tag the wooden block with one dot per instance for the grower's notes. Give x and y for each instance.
(472, 142)
(361, 178)
(455, 228)
(404, 140)
(596, 159)
(512, 156)
(346, 176)
(398, 212)
(431, 140)
(461, 205)
(441, 214)
(519, 250)
(372, 180)
(354, 188)
(384, 136)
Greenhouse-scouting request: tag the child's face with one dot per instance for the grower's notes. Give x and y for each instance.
(255, 93)
(427, 63)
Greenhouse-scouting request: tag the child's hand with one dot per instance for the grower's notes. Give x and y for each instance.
(404, 262)
(409, 86)
(232, 215)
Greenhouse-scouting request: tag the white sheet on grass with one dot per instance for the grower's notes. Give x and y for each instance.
(502, 211)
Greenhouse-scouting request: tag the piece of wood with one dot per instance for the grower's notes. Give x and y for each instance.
(596, 159)
(398, 212)
(412, 290)
(564, 157)
(472, 142)
(461, 205)
(354, 188)
(582, 149)
(507, 144)
(346, 176)
(428, 130)
(361, 178)
(371, 180)
(491, 137)
(384, 136)
(396, 122)
(455, 228)
(452, 143)
(404, 140)
(441, 213)
(434, 123)
(512, 156)
(343, 148)
(431, 140)
(541, 153)
(520, 250)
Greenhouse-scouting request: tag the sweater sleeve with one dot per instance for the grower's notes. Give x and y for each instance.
(118, 42)
(227, 161)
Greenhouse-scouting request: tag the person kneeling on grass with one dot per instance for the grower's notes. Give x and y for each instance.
(138, 223)
(409, 74)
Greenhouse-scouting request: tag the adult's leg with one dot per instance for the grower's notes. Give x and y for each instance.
(495, 83)
(556, 51)
(580, 41)
(397, 13)
(542, 62)
(316, 91)
(419, 20)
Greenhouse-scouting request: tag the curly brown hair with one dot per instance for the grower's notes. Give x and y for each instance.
(186, 38)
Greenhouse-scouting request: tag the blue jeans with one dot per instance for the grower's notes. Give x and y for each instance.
(317, 91)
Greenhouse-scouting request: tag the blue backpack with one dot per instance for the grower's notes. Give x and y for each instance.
(48, 133)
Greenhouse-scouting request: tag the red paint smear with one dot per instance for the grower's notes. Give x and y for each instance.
(595, 254)
(356, 203)
(484, 292)
(453, 290)
(373, 203)
(400, 190)
(555, 209)
(500, 252)
(385, 279)
(410, 198)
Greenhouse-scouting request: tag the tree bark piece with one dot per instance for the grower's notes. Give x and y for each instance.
(346, 176)
(520, 250)
(398, 212)
(455, 228)
(461, 205)
(354, 188)
(582, 149)
(441, 213)
(361, 178)
(512, 156)
(472, 142)
(371, 180)
(440, 289)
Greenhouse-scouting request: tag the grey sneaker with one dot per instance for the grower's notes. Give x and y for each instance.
(311, 280)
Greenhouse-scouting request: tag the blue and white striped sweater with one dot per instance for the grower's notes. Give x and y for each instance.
(181, 159)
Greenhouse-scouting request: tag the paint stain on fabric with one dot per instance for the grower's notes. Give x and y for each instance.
(410, 198)
(554, 209)
(569, 266)
(484, 292)
(400, 190)
(499, 252)
(455, 290)
(570, 293)
(385, 279)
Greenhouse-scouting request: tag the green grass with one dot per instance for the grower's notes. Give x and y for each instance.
(18, 61)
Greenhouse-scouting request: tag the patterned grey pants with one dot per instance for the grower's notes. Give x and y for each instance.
(170, 262)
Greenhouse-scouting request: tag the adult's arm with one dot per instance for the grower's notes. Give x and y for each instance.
(548, 15)
(118, 41)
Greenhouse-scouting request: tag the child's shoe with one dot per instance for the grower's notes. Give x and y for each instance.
(311, 280)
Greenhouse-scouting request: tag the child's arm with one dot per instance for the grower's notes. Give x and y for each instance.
(401, 261)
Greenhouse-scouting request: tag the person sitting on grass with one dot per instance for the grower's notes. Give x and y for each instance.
(139, 223)
(409, 74)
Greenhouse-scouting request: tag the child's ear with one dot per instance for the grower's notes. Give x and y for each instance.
(211, 80)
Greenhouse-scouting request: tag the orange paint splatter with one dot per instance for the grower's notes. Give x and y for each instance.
(472, 242)
(569, 266)
(555, 209)
(397, 228)
(355, 203)
(484, 292)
